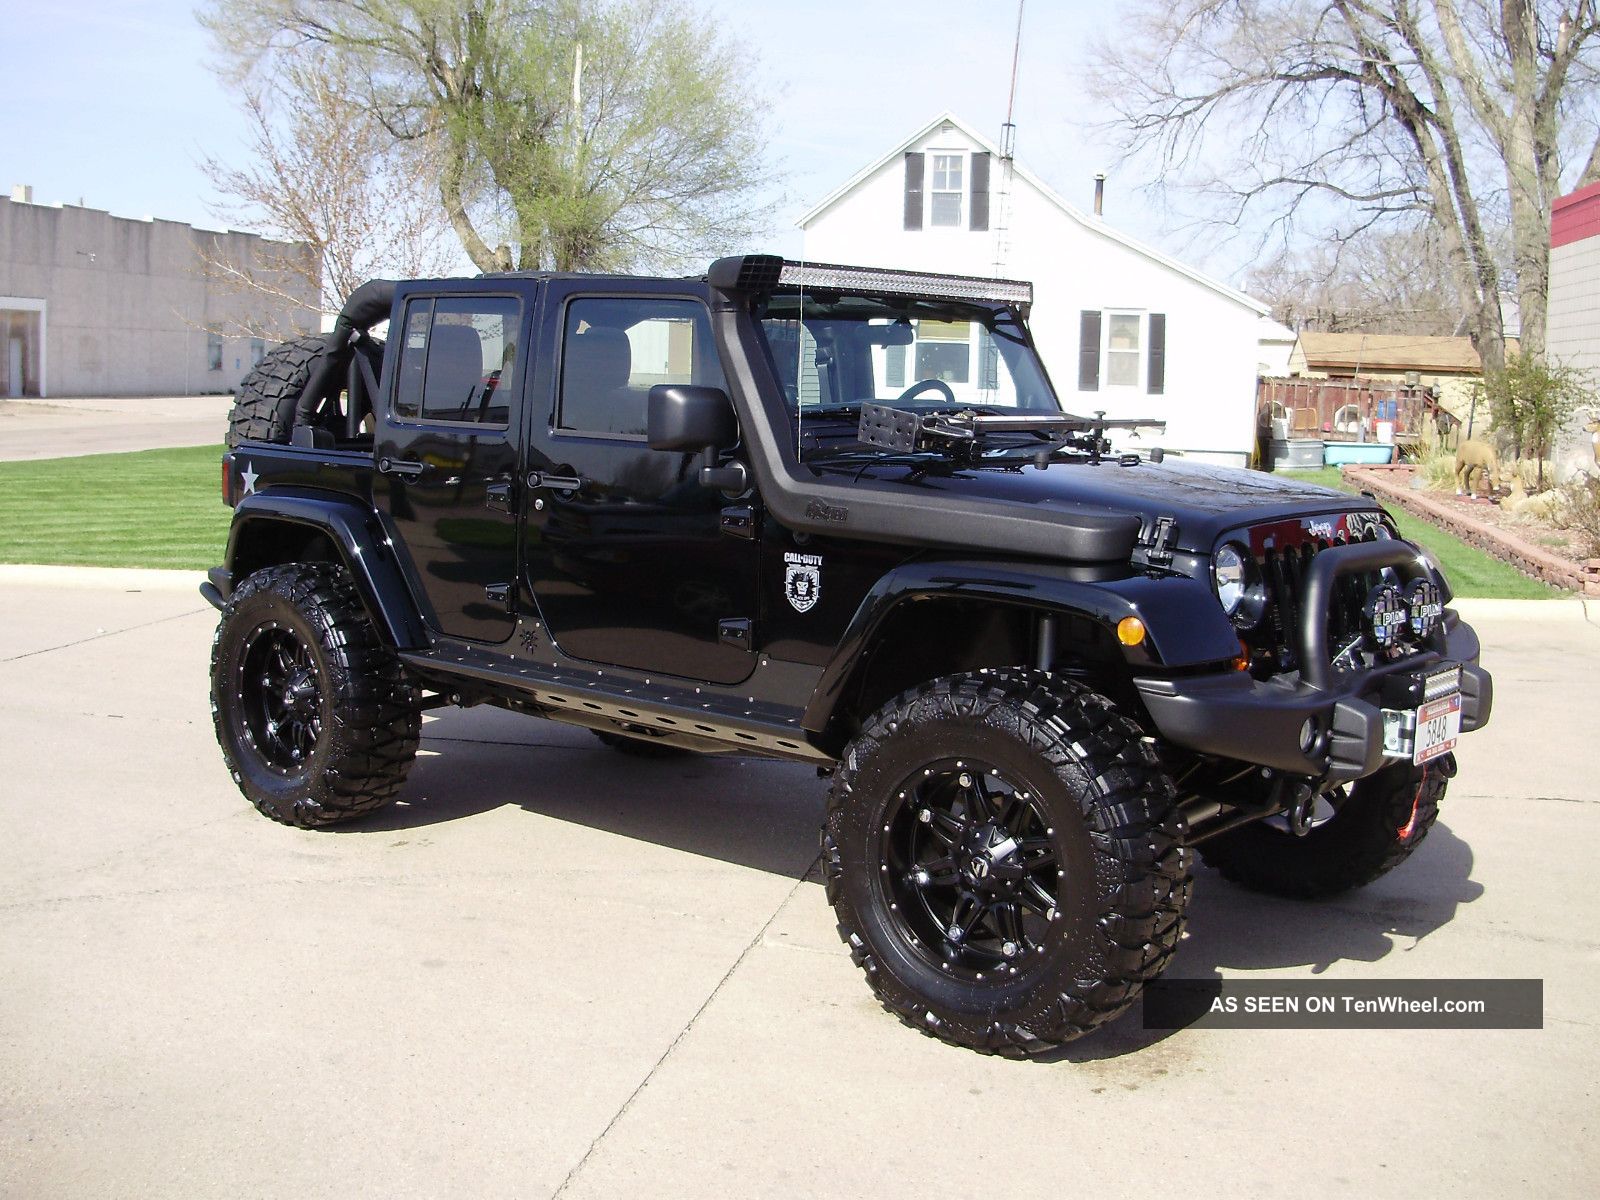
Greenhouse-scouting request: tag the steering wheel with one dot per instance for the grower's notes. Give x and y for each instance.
(924, 385)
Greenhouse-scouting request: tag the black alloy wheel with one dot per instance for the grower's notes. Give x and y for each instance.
(971, 869)
(317, 719)
(280, 696)
(1005, 858)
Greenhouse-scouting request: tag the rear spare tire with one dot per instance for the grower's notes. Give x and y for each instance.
(263, 409)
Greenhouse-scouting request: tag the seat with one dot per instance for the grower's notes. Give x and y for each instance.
(595, 396)
(454, 375)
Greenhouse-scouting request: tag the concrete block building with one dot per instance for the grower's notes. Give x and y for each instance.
(97, 305)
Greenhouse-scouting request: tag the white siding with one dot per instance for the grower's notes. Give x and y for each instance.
(1075, 264)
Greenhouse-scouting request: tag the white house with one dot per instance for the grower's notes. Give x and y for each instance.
(1121, 326)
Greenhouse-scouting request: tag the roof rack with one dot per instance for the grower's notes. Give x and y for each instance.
(767, 272)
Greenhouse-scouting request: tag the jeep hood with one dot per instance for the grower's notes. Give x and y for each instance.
(1204, 501)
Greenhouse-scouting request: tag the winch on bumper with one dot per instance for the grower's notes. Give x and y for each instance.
(1323, 723)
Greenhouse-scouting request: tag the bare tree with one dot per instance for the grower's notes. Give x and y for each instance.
(1384, 281)
(566, 134)
(1348, 115)
(327, 174)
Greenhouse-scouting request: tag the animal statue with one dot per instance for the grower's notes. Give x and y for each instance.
(1544, 506)
(1473, 456)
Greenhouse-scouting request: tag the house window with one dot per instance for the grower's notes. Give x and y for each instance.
(1123, 344)
(213, 350)
(947, 190)
(944, 350)
(258, 350)
(1122, 350)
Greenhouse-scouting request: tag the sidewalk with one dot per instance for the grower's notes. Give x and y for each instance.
(554, 970)
(67, 428)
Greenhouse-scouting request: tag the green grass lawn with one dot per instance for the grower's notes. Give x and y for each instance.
(149, 508)
(163, 508)
(1470, 571)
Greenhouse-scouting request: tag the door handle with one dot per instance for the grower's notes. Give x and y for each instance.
(407, 470)
(558, 483)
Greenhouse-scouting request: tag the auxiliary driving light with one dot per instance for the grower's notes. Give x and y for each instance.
(1425, 607)
(1387, 615)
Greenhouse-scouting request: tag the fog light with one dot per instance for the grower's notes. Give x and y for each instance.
(1425, 607)
(1130, 631)
(1387, 615)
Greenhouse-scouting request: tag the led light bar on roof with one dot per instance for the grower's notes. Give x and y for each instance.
(922, 285)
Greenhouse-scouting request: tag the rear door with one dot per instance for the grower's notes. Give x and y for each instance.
(633, 562)
(446, 455)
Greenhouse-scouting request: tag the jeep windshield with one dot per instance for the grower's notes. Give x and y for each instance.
(834, 352)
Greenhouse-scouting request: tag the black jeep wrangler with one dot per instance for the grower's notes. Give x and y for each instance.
(837, 515)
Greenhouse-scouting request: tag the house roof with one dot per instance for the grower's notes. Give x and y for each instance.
(1392, 352)
(1274, 331)
(1095, 225)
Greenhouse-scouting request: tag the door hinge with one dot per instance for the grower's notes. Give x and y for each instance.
(499, 497)
(499, 593)
(739, 521)
(734, 631)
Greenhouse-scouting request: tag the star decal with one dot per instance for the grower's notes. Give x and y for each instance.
(249, 477)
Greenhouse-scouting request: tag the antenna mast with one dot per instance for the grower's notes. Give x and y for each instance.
(1008, 150)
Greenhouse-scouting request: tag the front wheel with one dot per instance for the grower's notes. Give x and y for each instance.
(1372, 829)
(1005, 859)
(315, 716)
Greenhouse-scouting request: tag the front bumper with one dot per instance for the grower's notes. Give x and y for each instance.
(1238, 717)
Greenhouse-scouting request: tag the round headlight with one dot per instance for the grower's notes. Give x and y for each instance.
(1387, 615)
(1424, 606)
(1238, 584)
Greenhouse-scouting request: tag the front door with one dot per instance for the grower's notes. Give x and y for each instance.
(447, 459)
(632, 561)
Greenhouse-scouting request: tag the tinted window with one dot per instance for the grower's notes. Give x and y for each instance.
(458, 359)
(615, 351)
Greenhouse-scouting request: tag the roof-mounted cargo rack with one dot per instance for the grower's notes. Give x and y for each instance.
(767, 272)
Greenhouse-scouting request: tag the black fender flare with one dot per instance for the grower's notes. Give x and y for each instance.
(362, 542)
(1184, 624)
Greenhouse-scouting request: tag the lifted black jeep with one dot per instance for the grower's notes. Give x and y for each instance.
(837, 515)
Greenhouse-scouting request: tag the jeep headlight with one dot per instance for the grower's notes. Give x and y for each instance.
(1239, 584)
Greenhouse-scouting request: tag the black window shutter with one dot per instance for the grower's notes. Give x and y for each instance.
(1089, 351)
(1157, 372)
(980, 191)
(913, 191)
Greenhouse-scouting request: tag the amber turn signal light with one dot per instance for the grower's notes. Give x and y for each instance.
(1130, 631)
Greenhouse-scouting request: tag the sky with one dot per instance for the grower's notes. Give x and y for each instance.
(114, 102)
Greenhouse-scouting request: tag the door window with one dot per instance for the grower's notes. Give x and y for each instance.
(614, 351)
(458, 359)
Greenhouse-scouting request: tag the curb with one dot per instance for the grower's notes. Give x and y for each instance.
(1527, 558)
(121, 579)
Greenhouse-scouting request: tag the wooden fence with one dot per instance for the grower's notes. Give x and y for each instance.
(1341, 410)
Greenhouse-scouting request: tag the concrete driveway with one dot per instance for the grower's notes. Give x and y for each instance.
(553, 970)
(66, 428)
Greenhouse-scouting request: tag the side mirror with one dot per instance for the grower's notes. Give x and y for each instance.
(680, 416)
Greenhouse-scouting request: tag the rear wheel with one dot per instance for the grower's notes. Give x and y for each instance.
(315, 716)
(264, 407)
(1004, 856)
(1369, 832)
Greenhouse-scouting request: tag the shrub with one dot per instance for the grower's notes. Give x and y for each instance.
(1581, 512)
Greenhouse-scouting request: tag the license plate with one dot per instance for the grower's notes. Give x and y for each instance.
(1438, 728)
